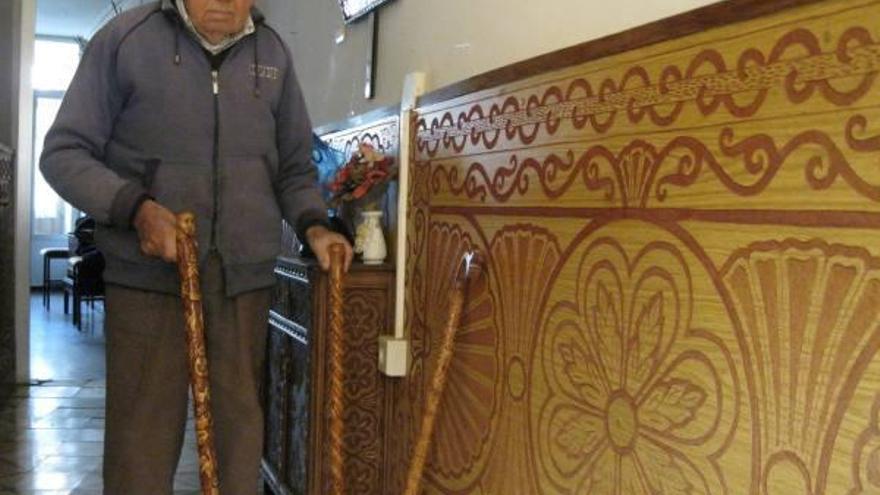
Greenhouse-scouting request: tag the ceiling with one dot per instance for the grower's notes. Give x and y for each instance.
(76, 18)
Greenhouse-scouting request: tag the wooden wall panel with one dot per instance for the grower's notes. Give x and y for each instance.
(683, 284)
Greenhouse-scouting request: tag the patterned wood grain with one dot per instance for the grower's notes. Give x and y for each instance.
(368, 300)
(336, 374)
(191, 296)
(682, 290)
(367, 313)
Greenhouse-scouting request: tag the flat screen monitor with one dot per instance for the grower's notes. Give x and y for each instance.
(353, 10)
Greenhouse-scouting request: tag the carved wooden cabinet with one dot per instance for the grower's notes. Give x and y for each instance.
(295, 388)
(7, 265)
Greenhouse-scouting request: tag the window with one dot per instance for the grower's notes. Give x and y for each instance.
(55, 62)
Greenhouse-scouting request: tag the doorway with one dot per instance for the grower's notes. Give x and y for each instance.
(59, 350)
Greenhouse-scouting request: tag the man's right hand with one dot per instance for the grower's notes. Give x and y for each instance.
(157, 230)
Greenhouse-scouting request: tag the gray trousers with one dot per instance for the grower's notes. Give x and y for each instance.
(147, 385)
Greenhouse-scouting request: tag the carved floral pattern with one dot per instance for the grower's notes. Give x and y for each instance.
(365, 312)
(639, 365)
(630, 408)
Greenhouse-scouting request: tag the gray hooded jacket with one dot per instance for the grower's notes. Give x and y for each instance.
(146, 115)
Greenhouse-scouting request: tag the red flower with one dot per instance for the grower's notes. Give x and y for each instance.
(366, 171)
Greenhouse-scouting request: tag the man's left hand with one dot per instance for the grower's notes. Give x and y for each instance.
(320, 239)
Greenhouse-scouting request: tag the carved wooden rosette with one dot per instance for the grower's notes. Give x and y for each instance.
(337, 377)
(191, 295)
(470, 269)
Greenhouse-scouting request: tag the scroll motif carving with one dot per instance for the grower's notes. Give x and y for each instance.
(382, 136)
(641, 173)
(365, 312)
(796, 63)
(635, 395)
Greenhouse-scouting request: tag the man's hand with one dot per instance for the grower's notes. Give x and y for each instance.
(157, 229)
(320, 239)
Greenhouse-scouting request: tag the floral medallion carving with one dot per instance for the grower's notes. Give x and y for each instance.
(634, 397)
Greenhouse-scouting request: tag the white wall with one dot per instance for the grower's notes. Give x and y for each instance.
(451, 40)
(25, 50)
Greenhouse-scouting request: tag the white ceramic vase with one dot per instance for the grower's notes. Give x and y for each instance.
(370, 241)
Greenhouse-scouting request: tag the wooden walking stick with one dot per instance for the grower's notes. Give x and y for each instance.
(191, 294)
(336, 372)
(470, 268)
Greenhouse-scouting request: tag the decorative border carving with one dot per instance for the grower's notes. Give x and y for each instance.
(706, 81)
(641, 172)
(383, 135)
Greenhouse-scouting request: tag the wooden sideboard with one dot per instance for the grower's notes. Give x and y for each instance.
(295, 386)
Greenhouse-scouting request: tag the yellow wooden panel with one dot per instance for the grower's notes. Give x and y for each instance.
(682, 293)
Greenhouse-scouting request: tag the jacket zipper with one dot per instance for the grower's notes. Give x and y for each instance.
(215, 80)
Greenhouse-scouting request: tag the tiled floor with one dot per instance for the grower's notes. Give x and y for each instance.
(51, 431)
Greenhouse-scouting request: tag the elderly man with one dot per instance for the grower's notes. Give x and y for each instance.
(186, 105)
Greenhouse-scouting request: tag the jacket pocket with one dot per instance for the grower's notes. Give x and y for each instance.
(131, 165)
(186, 186)
(178, 186)
(250, 218)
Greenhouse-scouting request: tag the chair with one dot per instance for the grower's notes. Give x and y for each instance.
(83, 283)
(49, 254)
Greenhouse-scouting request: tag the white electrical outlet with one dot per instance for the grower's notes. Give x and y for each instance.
(393, 355)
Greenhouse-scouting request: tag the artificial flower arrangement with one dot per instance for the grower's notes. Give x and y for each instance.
(363, 178)
(358, 186)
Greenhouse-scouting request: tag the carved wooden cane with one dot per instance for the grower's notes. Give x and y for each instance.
(470, 268)
(336, 372)
(191, 295)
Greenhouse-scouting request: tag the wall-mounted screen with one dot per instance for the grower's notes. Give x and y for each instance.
(352, 10)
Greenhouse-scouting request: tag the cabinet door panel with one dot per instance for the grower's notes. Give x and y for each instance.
(298, 425)
(278, 360)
